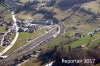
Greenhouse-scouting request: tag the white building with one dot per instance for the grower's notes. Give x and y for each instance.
(44, 2)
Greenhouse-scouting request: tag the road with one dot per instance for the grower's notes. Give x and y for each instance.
(32, 45)
(16, 36)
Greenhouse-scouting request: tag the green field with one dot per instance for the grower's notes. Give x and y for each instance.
(82, 41)
(6, 13)
(1, 48)
(8, 16)
(54, 42)
(94, 40)
(74, 44)
(22, 39)
(92, 6)
(2, 29)
(84, 28)
(1, 8)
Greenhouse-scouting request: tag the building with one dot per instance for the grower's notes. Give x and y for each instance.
(1, 18)
(46, 2)
(43, 22)
(11, 5)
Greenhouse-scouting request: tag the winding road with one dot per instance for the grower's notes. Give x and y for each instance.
(14, 40)
(32, 45)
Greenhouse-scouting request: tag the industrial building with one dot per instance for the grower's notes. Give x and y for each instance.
(43, 22)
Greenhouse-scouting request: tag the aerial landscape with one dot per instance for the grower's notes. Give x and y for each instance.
(49, 32)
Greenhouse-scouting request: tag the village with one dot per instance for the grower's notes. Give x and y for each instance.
(32, 29)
